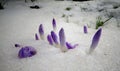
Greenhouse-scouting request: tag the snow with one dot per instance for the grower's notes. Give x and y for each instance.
(19, 23)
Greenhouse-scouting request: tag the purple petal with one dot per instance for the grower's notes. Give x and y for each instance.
(54, 37)
(96, 39)
(85, 29)
(41, 30)
(54, 23)
(36, 37)
(27, 51)
(62, 37)
(17, 45)
(69, 46)
(49, 38)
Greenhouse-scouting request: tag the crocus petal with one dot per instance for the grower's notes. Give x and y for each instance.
(69, 46)
(17, 45)
(54, 37)
(62, 37)
(95, 39)
(41, 31)
(36, 37)
(85, 29)
(54, 23)
(27, 51)
(49, 38)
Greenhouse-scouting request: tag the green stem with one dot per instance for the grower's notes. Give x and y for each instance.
(107, 20)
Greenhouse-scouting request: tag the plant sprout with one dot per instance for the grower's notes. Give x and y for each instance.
(99, 22)
(54, 37)
(41, 31)
(54, 24)
(95, 40)
(49, 38)
(85, 29)
(62, 37)
(62, 40)
(36, 37)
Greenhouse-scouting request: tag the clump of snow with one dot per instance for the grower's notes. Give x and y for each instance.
(19, 23)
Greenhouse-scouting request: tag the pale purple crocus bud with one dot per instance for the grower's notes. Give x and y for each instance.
(62, 40)
(95, 40)
(49, 38)
(69, 46)
(36, 37)
(62, 37)
(54, 23)
(27, 51)
(17, 45)
(54, 37)
(41, 31)
(85, 29)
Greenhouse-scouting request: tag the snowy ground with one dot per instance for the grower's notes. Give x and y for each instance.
(19, 23)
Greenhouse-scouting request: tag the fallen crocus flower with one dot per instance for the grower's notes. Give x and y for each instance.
(27, 51)
(49, 38)
(54, 23)
(17, 45)
(41, 31)
(36, 37)
(95, 40)
(54, 37)
(69, 46)
(62, 40)
(85, 29)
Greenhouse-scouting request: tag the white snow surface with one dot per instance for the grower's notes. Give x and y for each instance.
(19, 23)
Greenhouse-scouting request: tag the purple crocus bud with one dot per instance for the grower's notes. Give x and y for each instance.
(62, 37)
(17, 45)
(36, 37)
(62, 40)
(27, 51)
(41, 31)
(54, 23)
(85, 29)
(95, 40)
(54, 37)
(49, 38)
(69, 46)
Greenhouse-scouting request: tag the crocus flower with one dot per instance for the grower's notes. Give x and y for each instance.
(41, 31)
(36, 37)
(69, 46)
(54, 23)
(62, 37)
(95, 40)
(85, 29)
(49, 38)
(27, 51)
(17, 45)
(62, 40)
(54, 37)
